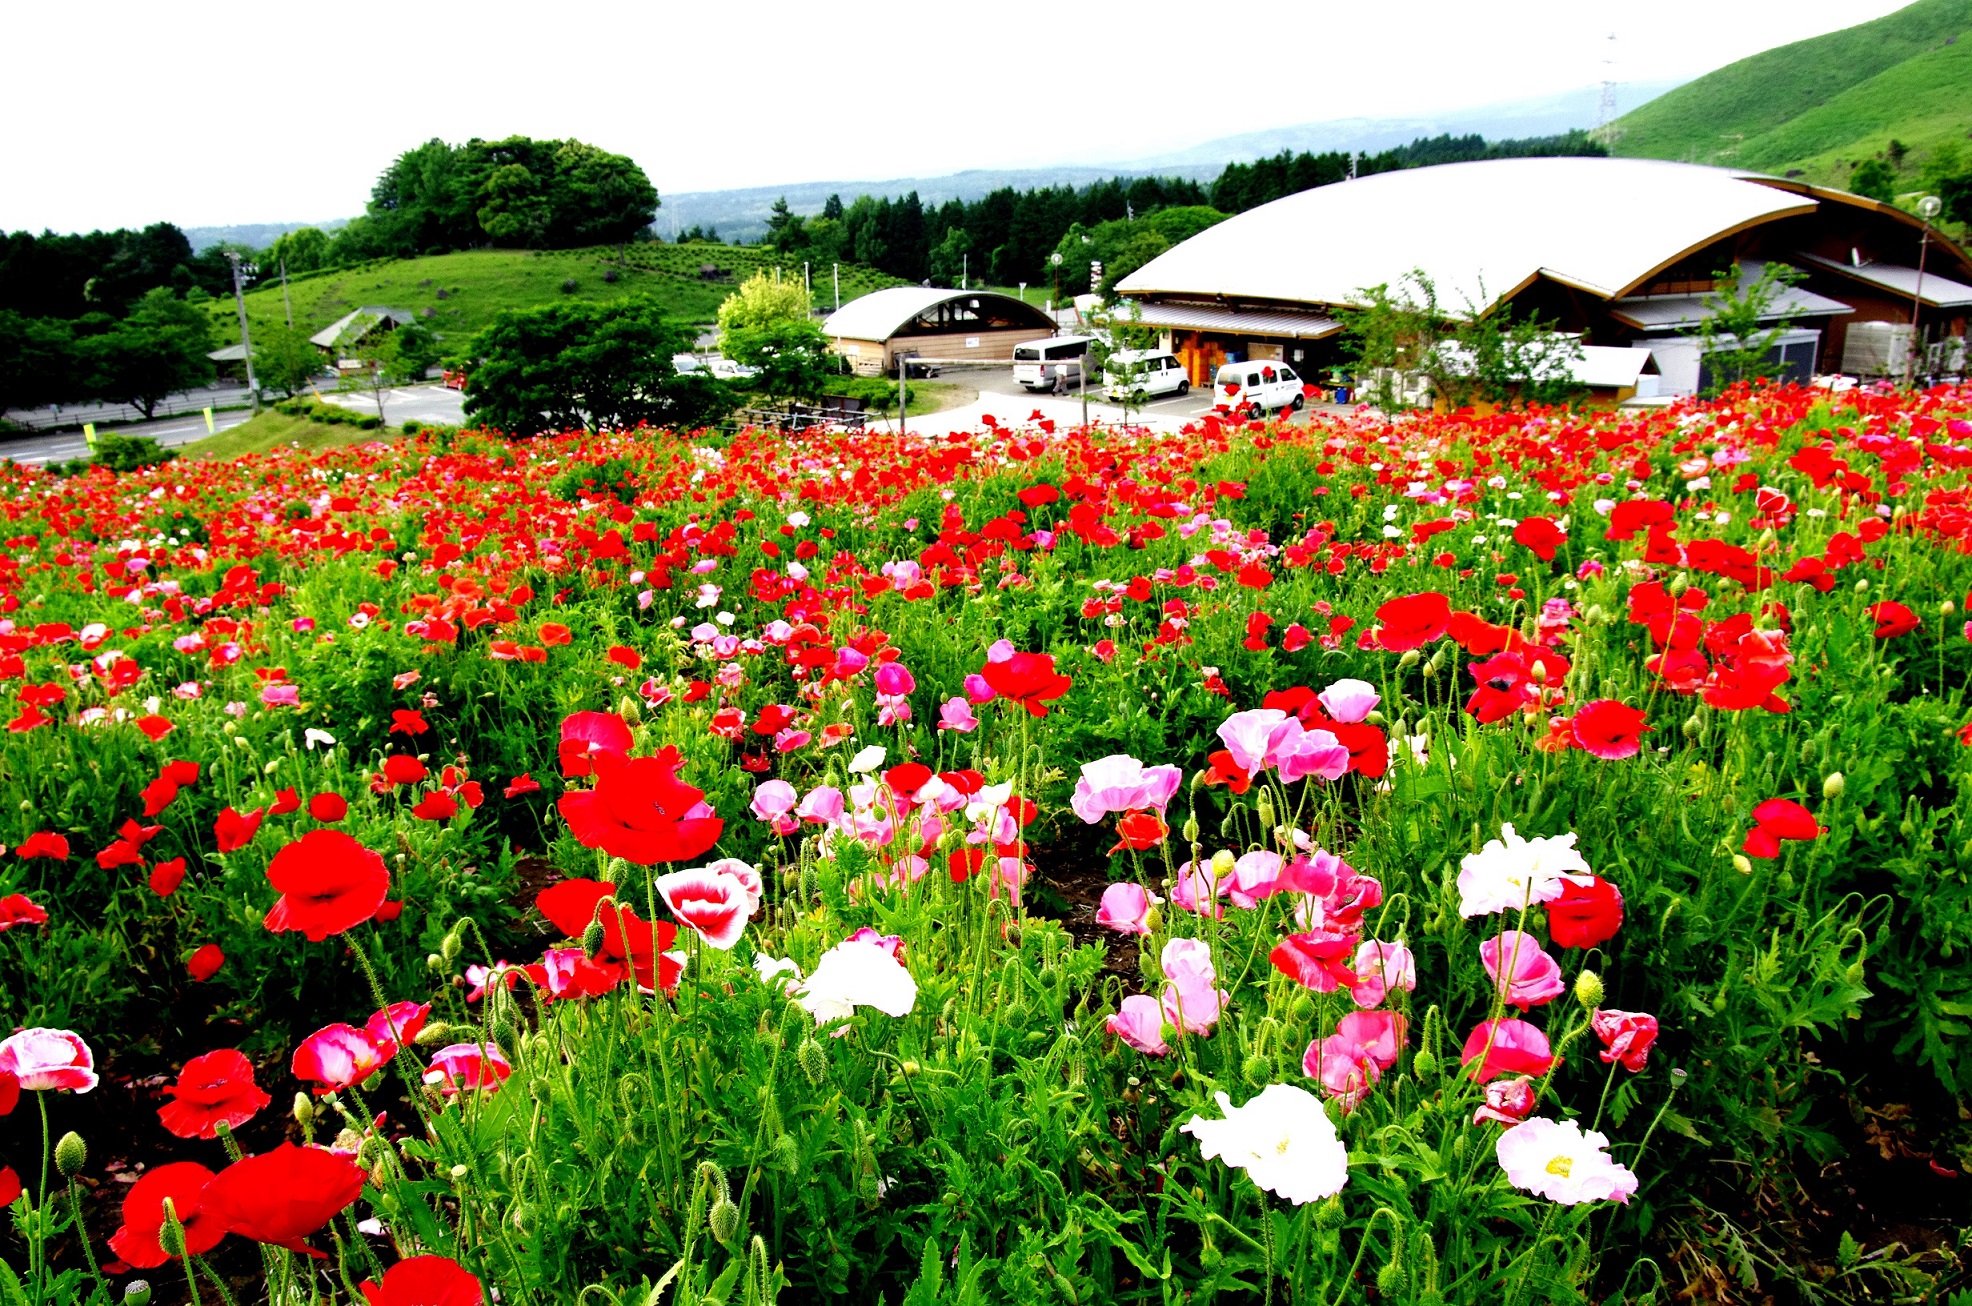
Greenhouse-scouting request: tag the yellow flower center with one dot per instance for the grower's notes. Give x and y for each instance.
(1280, 1148)
(1561, 1165)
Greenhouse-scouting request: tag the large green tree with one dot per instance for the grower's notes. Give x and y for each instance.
(157, 351)
(37, 361)
(284, 358)
(573, 366)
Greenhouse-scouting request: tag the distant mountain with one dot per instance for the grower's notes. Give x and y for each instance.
(258, 235)
(1820, 107)
(742, 214)
(1548, 115)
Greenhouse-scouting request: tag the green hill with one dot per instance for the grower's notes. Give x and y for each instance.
(1821, 106)
(457, 294)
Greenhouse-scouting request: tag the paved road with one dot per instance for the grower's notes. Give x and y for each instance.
(424, 403)
(36, 450)
(219, 395)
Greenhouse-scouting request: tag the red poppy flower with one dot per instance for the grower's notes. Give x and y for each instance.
(1540, 535)
(1609, 730)
(1140, 830)
(43, 844)
(1412, 621)
(167, 876)
(10, 1097)
(1894, 620)
(10, 1187)
(1585, 915)
(283, 1196)
(154, 726)
(521, 784)
(625, 657)
(1028, 679)
(1505, 1047)
(213, 1089)
(407, 721)
(553, 633)
(328, 883)
(337, 1056)
(436, 806)
(424, 1281)
(205, 963)
(1223, 770)
(1503, 688)
(234, 831)
(328, 808)
(17, 909)
(640, 811)
(184, 1182)
(401, 770)
(584, 734)
(1777, 819)
(1317, 960)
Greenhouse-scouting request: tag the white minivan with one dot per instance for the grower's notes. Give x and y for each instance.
(1142, 374)
(1037, 363)
(1257, 387)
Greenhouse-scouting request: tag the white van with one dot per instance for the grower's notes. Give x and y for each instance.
(1144, 374)
(1038, 362)
(1258, 387)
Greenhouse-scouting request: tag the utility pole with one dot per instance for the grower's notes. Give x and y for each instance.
(286, 303)
(246, 339)
(1927, 208)
(805, 287)
(965, 271)
(902, 399)
(835, 270)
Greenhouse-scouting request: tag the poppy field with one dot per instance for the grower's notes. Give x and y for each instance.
(1472, 859)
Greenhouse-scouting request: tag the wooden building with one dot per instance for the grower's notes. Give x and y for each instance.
(1623, 252)
(943, 326)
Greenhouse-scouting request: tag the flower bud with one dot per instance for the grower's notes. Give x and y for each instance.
(1741, 864)
(1946, 608)
(137, 1293)
(1302, 1008)
(620, 871)
(630, 709)
(1832, 787)
(1694, 728)
(1390, 1279)
(814, 1061)
(1588, 990)
(787, 1154)
(434, 963)
(1539, 673)
(71, 1154)
(724, 1220)
(1424, 1064)
(451, 946)
(592, 938)
(434, 1034)
(1258, 1070)
(1264, 805)
(304, 1111)
(1374, 718)
(1329, 1214)
(1410, 658)
(1223, 863)
(1679, 584)
(1862, 586)
(171, 1233)
(1191, 829)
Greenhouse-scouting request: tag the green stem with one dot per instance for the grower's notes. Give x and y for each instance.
(82, 1232)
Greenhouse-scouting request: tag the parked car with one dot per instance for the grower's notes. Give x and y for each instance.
(727, 370)
(1258, 387)
(1144, 374)
(1037, 363)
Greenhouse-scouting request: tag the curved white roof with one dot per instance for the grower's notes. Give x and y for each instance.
(882, 313)
(1478, 230)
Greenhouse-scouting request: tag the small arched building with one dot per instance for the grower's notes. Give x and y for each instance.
(1625, 251)
(936, 325)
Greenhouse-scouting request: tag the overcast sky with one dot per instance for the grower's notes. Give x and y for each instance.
(207, 113)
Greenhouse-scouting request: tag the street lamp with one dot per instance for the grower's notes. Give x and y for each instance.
(243, 272)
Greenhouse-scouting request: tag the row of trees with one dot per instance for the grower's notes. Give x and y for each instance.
(103, 272)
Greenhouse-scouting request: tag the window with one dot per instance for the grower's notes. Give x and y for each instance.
(1026, 355)
(1287, 374)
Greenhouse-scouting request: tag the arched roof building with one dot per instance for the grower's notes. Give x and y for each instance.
(1625, 250)
(922, 322)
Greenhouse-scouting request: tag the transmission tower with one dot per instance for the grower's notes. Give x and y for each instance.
(1605, 109)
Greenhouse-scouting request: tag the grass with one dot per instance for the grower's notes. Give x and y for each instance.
(272, 430)
(458, 294)
(1723, 116)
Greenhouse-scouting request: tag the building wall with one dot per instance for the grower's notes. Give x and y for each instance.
(879, 357)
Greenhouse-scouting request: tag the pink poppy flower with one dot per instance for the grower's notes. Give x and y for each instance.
(338, 1056)
(1125, 908)
(712, 903)
(1524, 974)
(1198, 889)
(1256, 875)
(1246, 735)
(1505, 1047)
(895, 678)
(1508, 1102)
(977, 691)
(42, 1059)
(1380, 1034)
(1381, 968)
(397, 1024)
(823, 805)
(1191, 1002)
(281, 696)
(956, 714)
(774, 802)
(1299, 753)
(1120, 783)
(1346, 1070)
(1627, 1036)
(467, 1065)
(1349, 701)
(1140, 1023)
